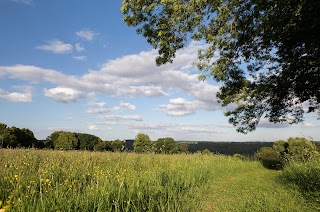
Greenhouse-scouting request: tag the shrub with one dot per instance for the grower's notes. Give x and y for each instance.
(240, 157)
(305, 175)
(282, 153)
(300, 150)
(206, 152)
(269, 157)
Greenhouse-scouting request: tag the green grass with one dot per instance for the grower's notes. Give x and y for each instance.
(32, 180)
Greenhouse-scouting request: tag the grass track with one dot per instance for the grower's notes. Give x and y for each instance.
(257, 189)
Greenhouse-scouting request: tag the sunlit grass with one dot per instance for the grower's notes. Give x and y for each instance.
(46, 180)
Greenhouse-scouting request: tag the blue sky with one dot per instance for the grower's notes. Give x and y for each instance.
(75, 65)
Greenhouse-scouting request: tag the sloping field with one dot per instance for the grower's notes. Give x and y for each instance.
(46, 180)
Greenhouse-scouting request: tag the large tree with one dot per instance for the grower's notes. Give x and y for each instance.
(166, 146)
(265, 53)
(66, 141)
(142, 143)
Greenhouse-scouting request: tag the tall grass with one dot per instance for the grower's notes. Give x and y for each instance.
(32, 180)
(305, 175)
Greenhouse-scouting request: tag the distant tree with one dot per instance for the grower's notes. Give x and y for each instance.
(166, 146)
(51, 139)
(103, 146)
(66, 141)
(87, 141)
(3, 128)
(16, 137)
(206, 152)
(10, 138)
(118, 145)
(142, 143)
(270, 158)
(27, 138)
(182, 148)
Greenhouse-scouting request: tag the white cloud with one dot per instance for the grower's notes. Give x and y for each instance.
(28, 2)
(56, 46)
(99, 110)
(87, 35)
(168, 129)
(93, 127)
(126, 105)
(79, 48)
(132, 76)
(97, 104)
(64, 95)
(15, 96)
(102, 109)
(310, 124)
(80, 58)
(264, 123)
(179, 107)
(119, 117)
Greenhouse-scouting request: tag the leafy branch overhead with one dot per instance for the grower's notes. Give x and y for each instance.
(265, 53)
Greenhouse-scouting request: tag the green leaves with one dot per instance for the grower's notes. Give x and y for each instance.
(268, 50)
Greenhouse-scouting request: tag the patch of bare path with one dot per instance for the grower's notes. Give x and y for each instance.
(254, 190)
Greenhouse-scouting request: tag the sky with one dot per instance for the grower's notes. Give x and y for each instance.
(76, 66)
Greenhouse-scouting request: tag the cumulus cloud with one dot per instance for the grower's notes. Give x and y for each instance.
(101, 109)
(56, 46)
(79, 48)
(93, 127)
(87, 35)
(96, 104)
(310, 124)
(15, 96)
(80, 58)
(132, 76)
(126, 105)
(165, 129)
(179, 107)
(64, 95)
(125, 117)
(264, 123)
(27, 2)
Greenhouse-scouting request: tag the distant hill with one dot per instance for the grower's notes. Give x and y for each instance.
(228, 148)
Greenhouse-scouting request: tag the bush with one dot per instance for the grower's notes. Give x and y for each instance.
(282, 153)
(240, 157)
(305, 175)
(269, 157)
(206, 152)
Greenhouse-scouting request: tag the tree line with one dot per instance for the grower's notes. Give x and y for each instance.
(13, 137)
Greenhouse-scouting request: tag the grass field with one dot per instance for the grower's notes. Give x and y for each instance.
(46, 180)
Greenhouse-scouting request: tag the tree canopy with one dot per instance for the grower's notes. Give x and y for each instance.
(16, 137)
(264, 53)
(142, 143)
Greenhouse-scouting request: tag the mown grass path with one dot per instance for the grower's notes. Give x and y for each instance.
(257, 189)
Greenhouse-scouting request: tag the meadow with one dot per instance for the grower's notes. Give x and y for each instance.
(47, 180)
